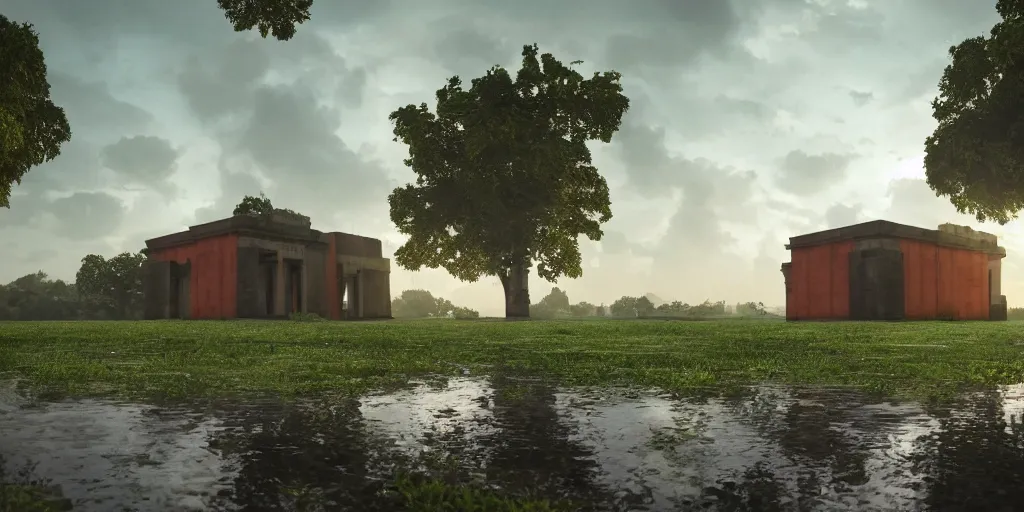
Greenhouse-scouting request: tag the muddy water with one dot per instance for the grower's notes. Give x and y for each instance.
(768, 448)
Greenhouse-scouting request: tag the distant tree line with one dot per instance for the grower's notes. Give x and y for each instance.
(422, 304)
(1015, 314)
(104, 289)
(556, 304)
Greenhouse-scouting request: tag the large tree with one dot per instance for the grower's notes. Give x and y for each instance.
(976, 154)
(113, 285)
(504, 175)
(32, 128)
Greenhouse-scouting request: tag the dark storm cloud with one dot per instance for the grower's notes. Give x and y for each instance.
(674, 34)
(804, 174)
(234, 185)
(223, 83)
(468, 51)
(24, 209)
(839, 215)
(284, 131)
(87, 215)
(141, 159)
(76, 168)
(861, 98)
(90, 106)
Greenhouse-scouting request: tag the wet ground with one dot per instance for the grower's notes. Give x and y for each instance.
(768, 448)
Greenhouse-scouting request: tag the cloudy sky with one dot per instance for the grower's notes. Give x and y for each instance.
(751, 121)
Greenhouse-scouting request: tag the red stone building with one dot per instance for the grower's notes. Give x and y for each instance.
(265, 267)
(881, 270)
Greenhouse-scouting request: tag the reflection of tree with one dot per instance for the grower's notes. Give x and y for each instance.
(531, 452)
(303, 457)
(757, 489)
(806, 433)
(972, 461)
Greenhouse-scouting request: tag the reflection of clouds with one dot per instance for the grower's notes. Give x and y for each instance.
(824, 449)
(412, 415)
(116, 456)
(1013, 406)
(678, 449)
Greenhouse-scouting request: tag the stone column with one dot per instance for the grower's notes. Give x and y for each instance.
(304, 286)
(359, 293)
(280, 275)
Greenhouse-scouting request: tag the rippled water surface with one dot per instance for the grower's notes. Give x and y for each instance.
(768, 448)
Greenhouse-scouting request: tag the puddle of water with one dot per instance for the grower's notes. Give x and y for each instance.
(769, 448)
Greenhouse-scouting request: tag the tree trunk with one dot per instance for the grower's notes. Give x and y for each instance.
(517, 292)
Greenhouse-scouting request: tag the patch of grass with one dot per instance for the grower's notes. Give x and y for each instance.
(196, 358)
(24, 492)
(426, 495)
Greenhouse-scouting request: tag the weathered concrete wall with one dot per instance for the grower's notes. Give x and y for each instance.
(183, 275)
(376, 294)
(315, 281)
(156, 283)
(250, 291)
(355, 245)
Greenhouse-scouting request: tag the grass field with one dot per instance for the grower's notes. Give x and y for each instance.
(212, 358)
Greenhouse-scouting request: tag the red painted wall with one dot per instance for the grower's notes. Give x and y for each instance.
(214, 276)
(820, 282)
(941, 282)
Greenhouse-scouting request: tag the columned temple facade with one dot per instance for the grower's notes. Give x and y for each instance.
(272, 266)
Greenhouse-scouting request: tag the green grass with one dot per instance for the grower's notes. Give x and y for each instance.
(211, 358)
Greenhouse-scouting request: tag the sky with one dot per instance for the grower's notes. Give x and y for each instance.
(751, 121)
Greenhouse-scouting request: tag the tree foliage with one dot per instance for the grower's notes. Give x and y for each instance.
(37, 297)
(114, 285)
(554, 304)
(251, 205)
(278, 18)
(976, 154)
(505, 179)
(420, 304)
(32, 128)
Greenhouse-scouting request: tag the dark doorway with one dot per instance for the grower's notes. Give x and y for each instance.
(293, 286)
(876, 284)
(181, 274)
(268, 281)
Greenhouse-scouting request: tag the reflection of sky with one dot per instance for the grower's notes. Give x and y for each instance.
(133, 456)
(412, 414)
(110, 456)
(1013, 405)
(675, 449)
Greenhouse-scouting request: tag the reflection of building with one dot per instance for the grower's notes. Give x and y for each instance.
(263, 267)
(881, 270)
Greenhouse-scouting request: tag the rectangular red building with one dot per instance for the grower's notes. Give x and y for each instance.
(265, 266)
(881, 270)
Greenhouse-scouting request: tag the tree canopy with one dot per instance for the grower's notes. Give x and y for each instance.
(252, 205)
(113, 284)
(32, 128)
(505, 179)
(277, 18)
(976, 154)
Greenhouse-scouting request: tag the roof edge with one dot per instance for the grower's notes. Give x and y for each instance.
(946, 236)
